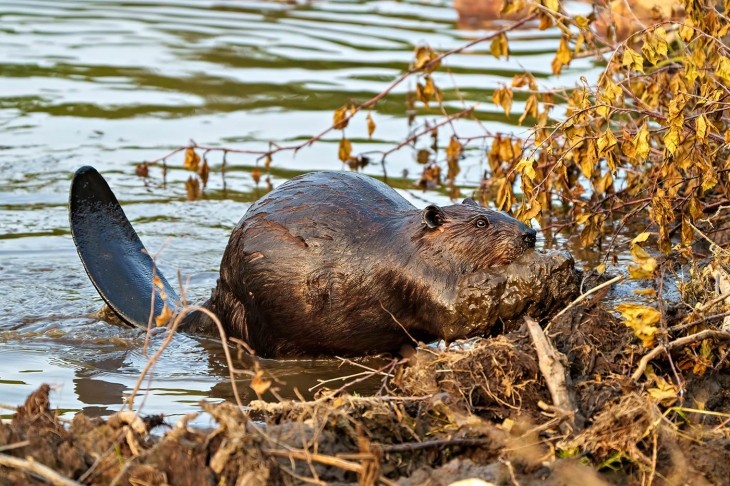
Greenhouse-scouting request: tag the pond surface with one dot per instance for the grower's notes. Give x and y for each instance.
(112, 84)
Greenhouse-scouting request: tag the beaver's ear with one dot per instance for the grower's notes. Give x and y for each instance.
(470, 202)
(433, 216)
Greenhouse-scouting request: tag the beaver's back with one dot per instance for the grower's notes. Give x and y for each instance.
(346, 203)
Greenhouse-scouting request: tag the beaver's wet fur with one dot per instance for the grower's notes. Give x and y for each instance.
(336, 263)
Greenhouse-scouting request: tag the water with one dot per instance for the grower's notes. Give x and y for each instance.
(112, 84)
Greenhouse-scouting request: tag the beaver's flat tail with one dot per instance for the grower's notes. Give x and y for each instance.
(115, 259)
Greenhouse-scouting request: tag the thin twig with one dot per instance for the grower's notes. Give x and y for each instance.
(178, 319)
(14, 445)
(30, 466)
(417, 446)
(681, 327)
(677, 343)
(326, 460)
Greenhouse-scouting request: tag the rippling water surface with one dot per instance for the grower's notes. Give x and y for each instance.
(112, 83)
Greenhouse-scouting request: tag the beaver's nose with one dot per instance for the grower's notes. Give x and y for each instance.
(529, 237)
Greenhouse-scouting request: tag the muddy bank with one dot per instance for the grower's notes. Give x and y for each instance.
(480, 408)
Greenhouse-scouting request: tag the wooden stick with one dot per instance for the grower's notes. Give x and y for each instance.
(677, 343)
(32, 467)
(14, 445)
(326, 460)
(416, 446)
(552, 369)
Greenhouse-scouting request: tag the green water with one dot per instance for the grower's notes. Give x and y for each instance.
(112, 83)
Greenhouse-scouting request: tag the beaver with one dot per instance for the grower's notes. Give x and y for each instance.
(339, 263)
(328, 263)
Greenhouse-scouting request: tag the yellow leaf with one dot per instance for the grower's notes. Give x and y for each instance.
(503, 97)
(664, 393)
(582, 22)
(701, 128)
(192, 159)
(641, 238)
(688, 234)
(671, 139)
(499, 46)
(259, 384)
(453, 151)
(601, 269)
(723, 69)
(646, 264)
(696, 209)
(642, 319)
(424, 56)
(606, 142)
(686, 32)
(645, 292)
(562, 56)
(655, 45)
(633, 60)
(641, 142)
(530, 109)
(345, 150)
(339, 119)
(611, 90)
(552, 5)
(371, 125)
(532, 212)
(504, 194)
(526, 167)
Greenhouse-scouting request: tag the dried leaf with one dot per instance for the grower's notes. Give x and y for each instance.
(562, 56)
(453, 152)
(642, 319)
(345, 150)
(632, 60)
(526, 167)
(503, 97)
(339, 119)
(645, 264)
(371, 125)
(423, 156)
(259, 384)
(500, 47)
(425, 59)
(142, 170)
(192, 160)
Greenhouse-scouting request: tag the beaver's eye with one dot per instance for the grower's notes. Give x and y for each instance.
(482, 223)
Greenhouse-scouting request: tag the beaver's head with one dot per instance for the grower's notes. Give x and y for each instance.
(474, 237)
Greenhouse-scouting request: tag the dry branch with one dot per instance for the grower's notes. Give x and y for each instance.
(326, 460)
(553, 371)
(677, 343)
(32, 467)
